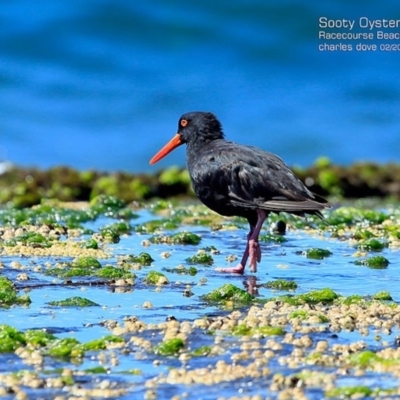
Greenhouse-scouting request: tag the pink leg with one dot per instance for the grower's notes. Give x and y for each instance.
(252, 248)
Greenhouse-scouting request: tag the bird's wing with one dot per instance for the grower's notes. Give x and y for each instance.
(257, 179)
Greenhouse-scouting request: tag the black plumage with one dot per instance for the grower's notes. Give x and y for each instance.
(233, 179)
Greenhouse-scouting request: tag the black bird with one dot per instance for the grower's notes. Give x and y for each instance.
(233, 179)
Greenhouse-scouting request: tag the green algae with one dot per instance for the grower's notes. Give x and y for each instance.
(316, 253)
(120, 227)
(352, 299)
(382, 296)
(109, 235)
(352, 215)
(329, 181)
(143, 259)
(64, 273)
(350, 392)
(363, 234)
(102, 343)
(325, 295)
(266, 330)
(272, 238)
(32, 239)
(46, 214)
(8, 294)
(106, 204)
(90, 244)
(96, 370)
(86, 263)
(38, 337)
(372, 244)
(365, 359)
(177, 238)
(158, 225)
(181, 269)
(155, 277)
(170, 347)
(201, 351)
(228, 293)
(110, 272)
(80, 266)
(174, 175)
(281, 284)
(65, 348)
(201, 257)
(375, 262)
(75, 301)
(301, 314)
(10, 339)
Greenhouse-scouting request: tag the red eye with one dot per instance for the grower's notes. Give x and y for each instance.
(183, 123)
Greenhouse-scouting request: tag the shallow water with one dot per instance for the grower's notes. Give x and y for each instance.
(280, 261)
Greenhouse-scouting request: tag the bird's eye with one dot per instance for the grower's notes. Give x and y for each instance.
(184, 122)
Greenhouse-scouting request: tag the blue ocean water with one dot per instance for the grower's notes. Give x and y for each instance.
(101, 83)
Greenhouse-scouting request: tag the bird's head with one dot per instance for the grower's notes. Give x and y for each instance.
(193, 127)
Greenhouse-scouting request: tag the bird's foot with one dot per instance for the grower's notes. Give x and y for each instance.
(239, 269)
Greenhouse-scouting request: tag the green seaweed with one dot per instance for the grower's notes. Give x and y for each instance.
(352, 215)
(382, 296)
(316, 253)
(110, 272)
(281, 284)
(177, 238)
(201, 351)
(90, 244)
(38, 337)
(364, 359)
(372, 244)
(33, 239)
(266, 330)
(201, 257)
(96, 370)
(325, 295)
(102, 343)
(228, 293)
(153, 278)
(349, 392)
(170, 347)
(10, 339)
(143, 258)
(107, 205)
(65, 348)
(363, 234)
(109, 235)
(180, 269)
(86, 262)
(375, 262)
(272, 238)
(8, 294)
(174, 175)
(158, 225)
(75, 301)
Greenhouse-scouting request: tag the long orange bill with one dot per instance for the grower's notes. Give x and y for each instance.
(171, 145)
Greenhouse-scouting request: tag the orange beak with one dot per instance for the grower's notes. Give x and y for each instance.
(171, 145)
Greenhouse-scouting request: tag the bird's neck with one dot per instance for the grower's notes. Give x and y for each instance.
(194, 147)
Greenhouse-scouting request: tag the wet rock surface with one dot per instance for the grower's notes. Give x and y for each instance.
(94, 307)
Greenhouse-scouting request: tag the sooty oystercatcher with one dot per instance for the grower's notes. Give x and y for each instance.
(233, 179)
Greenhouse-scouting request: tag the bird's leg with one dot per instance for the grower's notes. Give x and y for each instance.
(239, 269)
(252, 250)
(253, 245)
